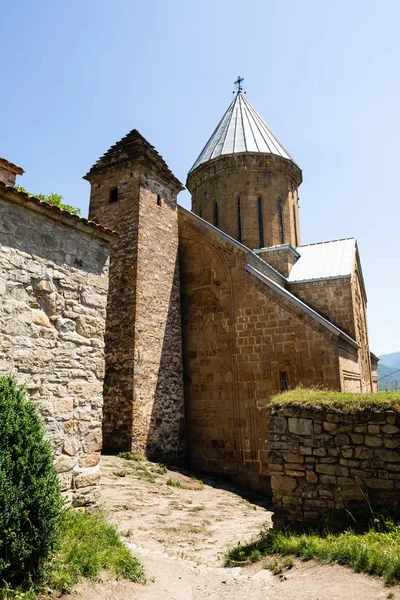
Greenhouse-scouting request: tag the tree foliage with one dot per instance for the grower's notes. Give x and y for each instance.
(54, 199)
(30, 500)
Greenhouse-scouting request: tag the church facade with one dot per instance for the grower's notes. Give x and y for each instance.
(211, 311)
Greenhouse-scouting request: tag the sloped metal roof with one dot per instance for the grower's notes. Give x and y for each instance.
(241, 129)
(324, 260)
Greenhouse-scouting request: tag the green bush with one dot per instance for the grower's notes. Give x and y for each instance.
(30, 500)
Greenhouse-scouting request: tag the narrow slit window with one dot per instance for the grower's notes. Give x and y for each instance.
(280, 216)
(158, 200)
(284, 381)
(239, 216)
(295, 227)
(260, 222)
(113, 195)
(215, 213)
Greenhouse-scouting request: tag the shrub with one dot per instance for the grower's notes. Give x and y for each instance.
(30, 500)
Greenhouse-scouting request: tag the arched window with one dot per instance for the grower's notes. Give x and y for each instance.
(216, 213)
(280, 217)
(283, 381)
(113, 195)
(260, 222)
(158, 200)
(239, 217)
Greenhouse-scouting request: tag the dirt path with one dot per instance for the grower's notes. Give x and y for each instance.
(180, 533)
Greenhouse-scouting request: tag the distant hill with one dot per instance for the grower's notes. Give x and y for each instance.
(388, 371)
(391, 360)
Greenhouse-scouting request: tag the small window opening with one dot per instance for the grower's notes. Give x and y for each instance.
(295, 227)
(260, 222)
(215, 213)
(201, 213)
(113, 195)
(284, 381)
(280, 215)
(158, 200)
(239, 216)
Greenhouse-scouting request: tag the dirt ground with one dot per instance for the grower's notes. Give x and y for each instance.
(180, 533)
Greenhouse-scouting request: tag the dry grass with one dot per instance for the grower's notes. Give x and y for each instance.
(339, 401)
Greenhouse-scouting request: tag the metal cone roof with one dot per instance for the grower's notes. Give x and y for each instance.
(241, 129)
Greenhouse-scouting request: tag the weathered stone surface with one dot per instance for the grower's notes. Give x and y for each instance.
(345, 466)
(373, 441)
(43, 265)
(143, 390)
(283, 484)
(300, 426)
(64, 463)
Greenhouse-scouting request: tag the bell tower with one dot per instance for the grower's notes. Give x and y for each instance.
(244, 181)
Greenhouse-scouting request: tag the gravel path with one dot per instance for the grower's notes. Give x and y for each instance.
(180, 534)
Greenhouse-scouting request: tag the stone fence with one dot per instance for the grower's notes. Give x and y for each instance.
(322, 459)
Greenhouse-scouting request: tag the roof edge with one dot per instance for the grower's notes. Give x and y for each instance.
(278, 247)
(11, 166)
(312, 313)
(250, 253)
(332, 277)
(55, 213)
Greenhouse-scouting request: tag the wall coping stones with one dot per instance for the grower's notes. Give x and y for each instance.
(55, 213)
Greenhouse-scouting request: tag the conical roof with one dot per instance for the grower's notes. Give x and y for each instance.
(130, 148)
(241, 129)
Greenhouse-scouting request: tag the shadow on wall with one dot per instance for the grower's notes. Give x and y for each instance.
(166, 434)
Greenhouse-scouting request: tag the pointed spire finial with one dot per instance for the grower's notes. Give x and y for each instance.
(238, 83)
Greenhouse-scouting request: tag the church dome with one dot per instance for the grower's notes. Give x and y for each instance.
(241, 129)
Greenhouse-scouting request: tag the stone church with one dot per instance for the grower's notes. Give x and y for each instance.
(209, 312)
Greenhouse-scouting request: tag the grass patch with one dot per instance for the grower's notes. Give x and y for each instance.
(159, 469)
(131, 456)
(196, 508)
(143, 473)
(89, 545)
(344, 401)
(177, 484)
(120, 473)
(375, 551)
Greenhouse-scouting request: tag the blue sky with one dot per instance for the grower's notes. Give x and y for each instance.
(77, 76)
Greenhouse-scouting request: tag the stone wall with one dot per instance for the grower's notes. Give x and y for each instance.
(53, 290)
(322, 459)
(342, 301)
(239, 337)
(249, 176)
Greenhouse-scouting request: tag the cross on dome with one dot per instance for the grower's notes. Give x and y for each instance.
(238, 83)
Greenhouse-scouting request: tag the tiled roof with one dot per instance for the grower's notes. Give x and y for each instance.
(11, 167)
(132, 147)
(53, 211)
(324, 260)
(241, 129)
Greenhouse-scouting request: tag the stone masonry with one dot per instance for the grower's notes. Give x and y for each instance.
(143, 391)
(239, 336)
(249, 176)
(322, 459)
(53, 293)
